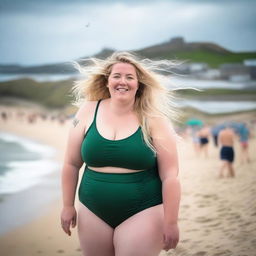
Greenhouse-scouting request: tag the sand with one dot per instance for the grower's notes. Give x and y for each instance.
(217, 216)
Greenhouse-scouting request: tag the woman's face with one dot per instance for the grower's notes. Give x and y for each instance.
(123, 81)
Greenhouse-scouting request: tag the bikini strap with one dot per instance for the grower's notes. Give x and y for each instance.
(96, 111)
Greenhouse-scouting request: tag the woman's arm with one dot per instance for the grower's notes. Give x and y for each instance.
(164, 141)
(71, 167)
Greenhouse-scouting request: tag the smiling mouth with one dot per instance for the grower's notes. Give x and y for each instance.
(122, 89)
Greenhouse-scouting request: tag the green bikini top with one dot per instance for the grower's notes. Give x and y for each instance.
(131, 152)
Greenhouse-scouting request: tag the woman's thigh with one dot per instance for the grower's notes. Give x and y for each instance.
(141, 234)
(96, 236)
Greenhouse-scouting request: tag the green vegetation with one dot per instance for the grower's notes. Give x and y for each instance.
(50, 94)
(215, 92)
(58, 94)
(213, 59)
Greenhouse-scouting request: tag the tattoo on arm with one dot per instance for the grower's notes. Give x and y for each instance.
(75, 122)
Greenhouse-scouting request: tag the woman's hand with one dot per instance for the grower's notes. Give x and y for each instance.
(170, 236)
(68, 217)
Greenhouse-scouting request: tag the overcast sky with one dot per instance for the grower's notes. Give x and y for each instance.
(48, 31)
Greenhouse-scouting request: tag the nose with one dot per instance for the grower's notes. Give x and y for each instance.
(122, 80)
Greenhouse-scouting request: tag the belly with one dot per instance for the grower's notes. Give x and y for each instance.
(110, 169)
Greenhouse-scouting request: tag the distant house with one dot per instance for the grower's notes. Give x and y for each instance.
(191, 68)
(235, 72)
(252, 66)
(210, 74)
(240, 78)
(250, 63)
(197, 67)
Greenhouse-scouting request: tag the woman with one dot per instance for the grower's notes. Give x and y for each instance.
(204, 134)
(129, 193)
(244, 134)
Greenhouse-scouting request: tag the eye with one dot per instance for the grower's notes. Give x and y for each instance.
(130, 78)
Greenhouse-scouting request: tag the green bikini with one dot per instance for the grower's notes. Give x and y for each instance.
(114, 197)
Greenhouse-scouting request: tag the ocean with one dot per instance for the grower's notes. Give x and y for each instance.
(218, 107)
(23, 163)
(29, 180)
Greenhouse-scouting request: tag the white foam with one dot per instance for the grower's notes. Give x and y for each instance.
(22, 175)
(215, 107)
(28, 144)
(25, 174)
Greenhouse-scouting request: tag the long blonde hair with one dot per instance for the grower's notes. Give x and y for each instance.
(152, 99)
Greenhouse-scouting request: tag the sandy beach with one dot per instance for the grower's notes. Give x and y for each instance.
(217, 216)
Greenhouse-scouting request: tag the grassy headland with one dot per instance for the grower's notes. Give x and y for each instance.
(58, 94)
(214, 60)
(175, 49)
(50, 94)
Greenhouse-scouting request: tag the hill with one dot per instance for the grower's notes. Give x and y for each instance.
(50, 94)
(176, 48)
(210, 53)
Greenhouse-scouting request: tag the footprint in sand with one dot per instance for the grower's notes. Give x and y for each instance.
(222, 216)
(234, 216)
(224, 252)
(185, 240)
(201, 253)
(207, 232)
(203, 219)
(214, 225)
(220, 209)
(192, 230)
(211, 196)
(203, 204)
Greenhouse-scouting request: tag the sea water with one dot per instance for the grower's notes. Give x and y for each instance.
(29, 180)
(23, 163)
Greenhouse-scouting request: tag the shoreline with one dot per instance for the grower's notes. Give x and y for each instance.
(217, 216)
(32, 202)
(40, 232)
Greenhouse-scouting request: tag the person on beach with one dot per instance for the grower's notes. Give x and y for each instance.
(204, 134)
(226, 140)
(215, 132)
(195, 139)
(244, 135)
(129, 193)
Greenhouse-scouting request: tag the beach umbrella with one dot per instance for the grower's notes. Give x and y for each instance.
(217, 128)
(194, 122)
(236, 126)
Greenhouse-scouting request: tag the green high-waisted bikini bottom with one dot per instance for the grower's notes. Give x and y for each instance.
(114, 197)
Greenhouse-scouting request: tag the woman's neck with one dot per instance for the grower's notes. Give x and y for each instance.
(121, 107)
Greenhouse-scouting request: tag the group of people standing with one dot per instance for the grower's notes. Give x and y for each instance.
(224, 137)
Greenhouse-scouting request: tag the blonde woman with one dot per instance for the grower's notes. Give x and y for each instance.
(129, 193)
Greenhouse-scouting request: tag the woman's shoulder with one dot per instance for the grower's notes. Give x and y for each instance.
(160, 125)
(86, 108)
(158, 122)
